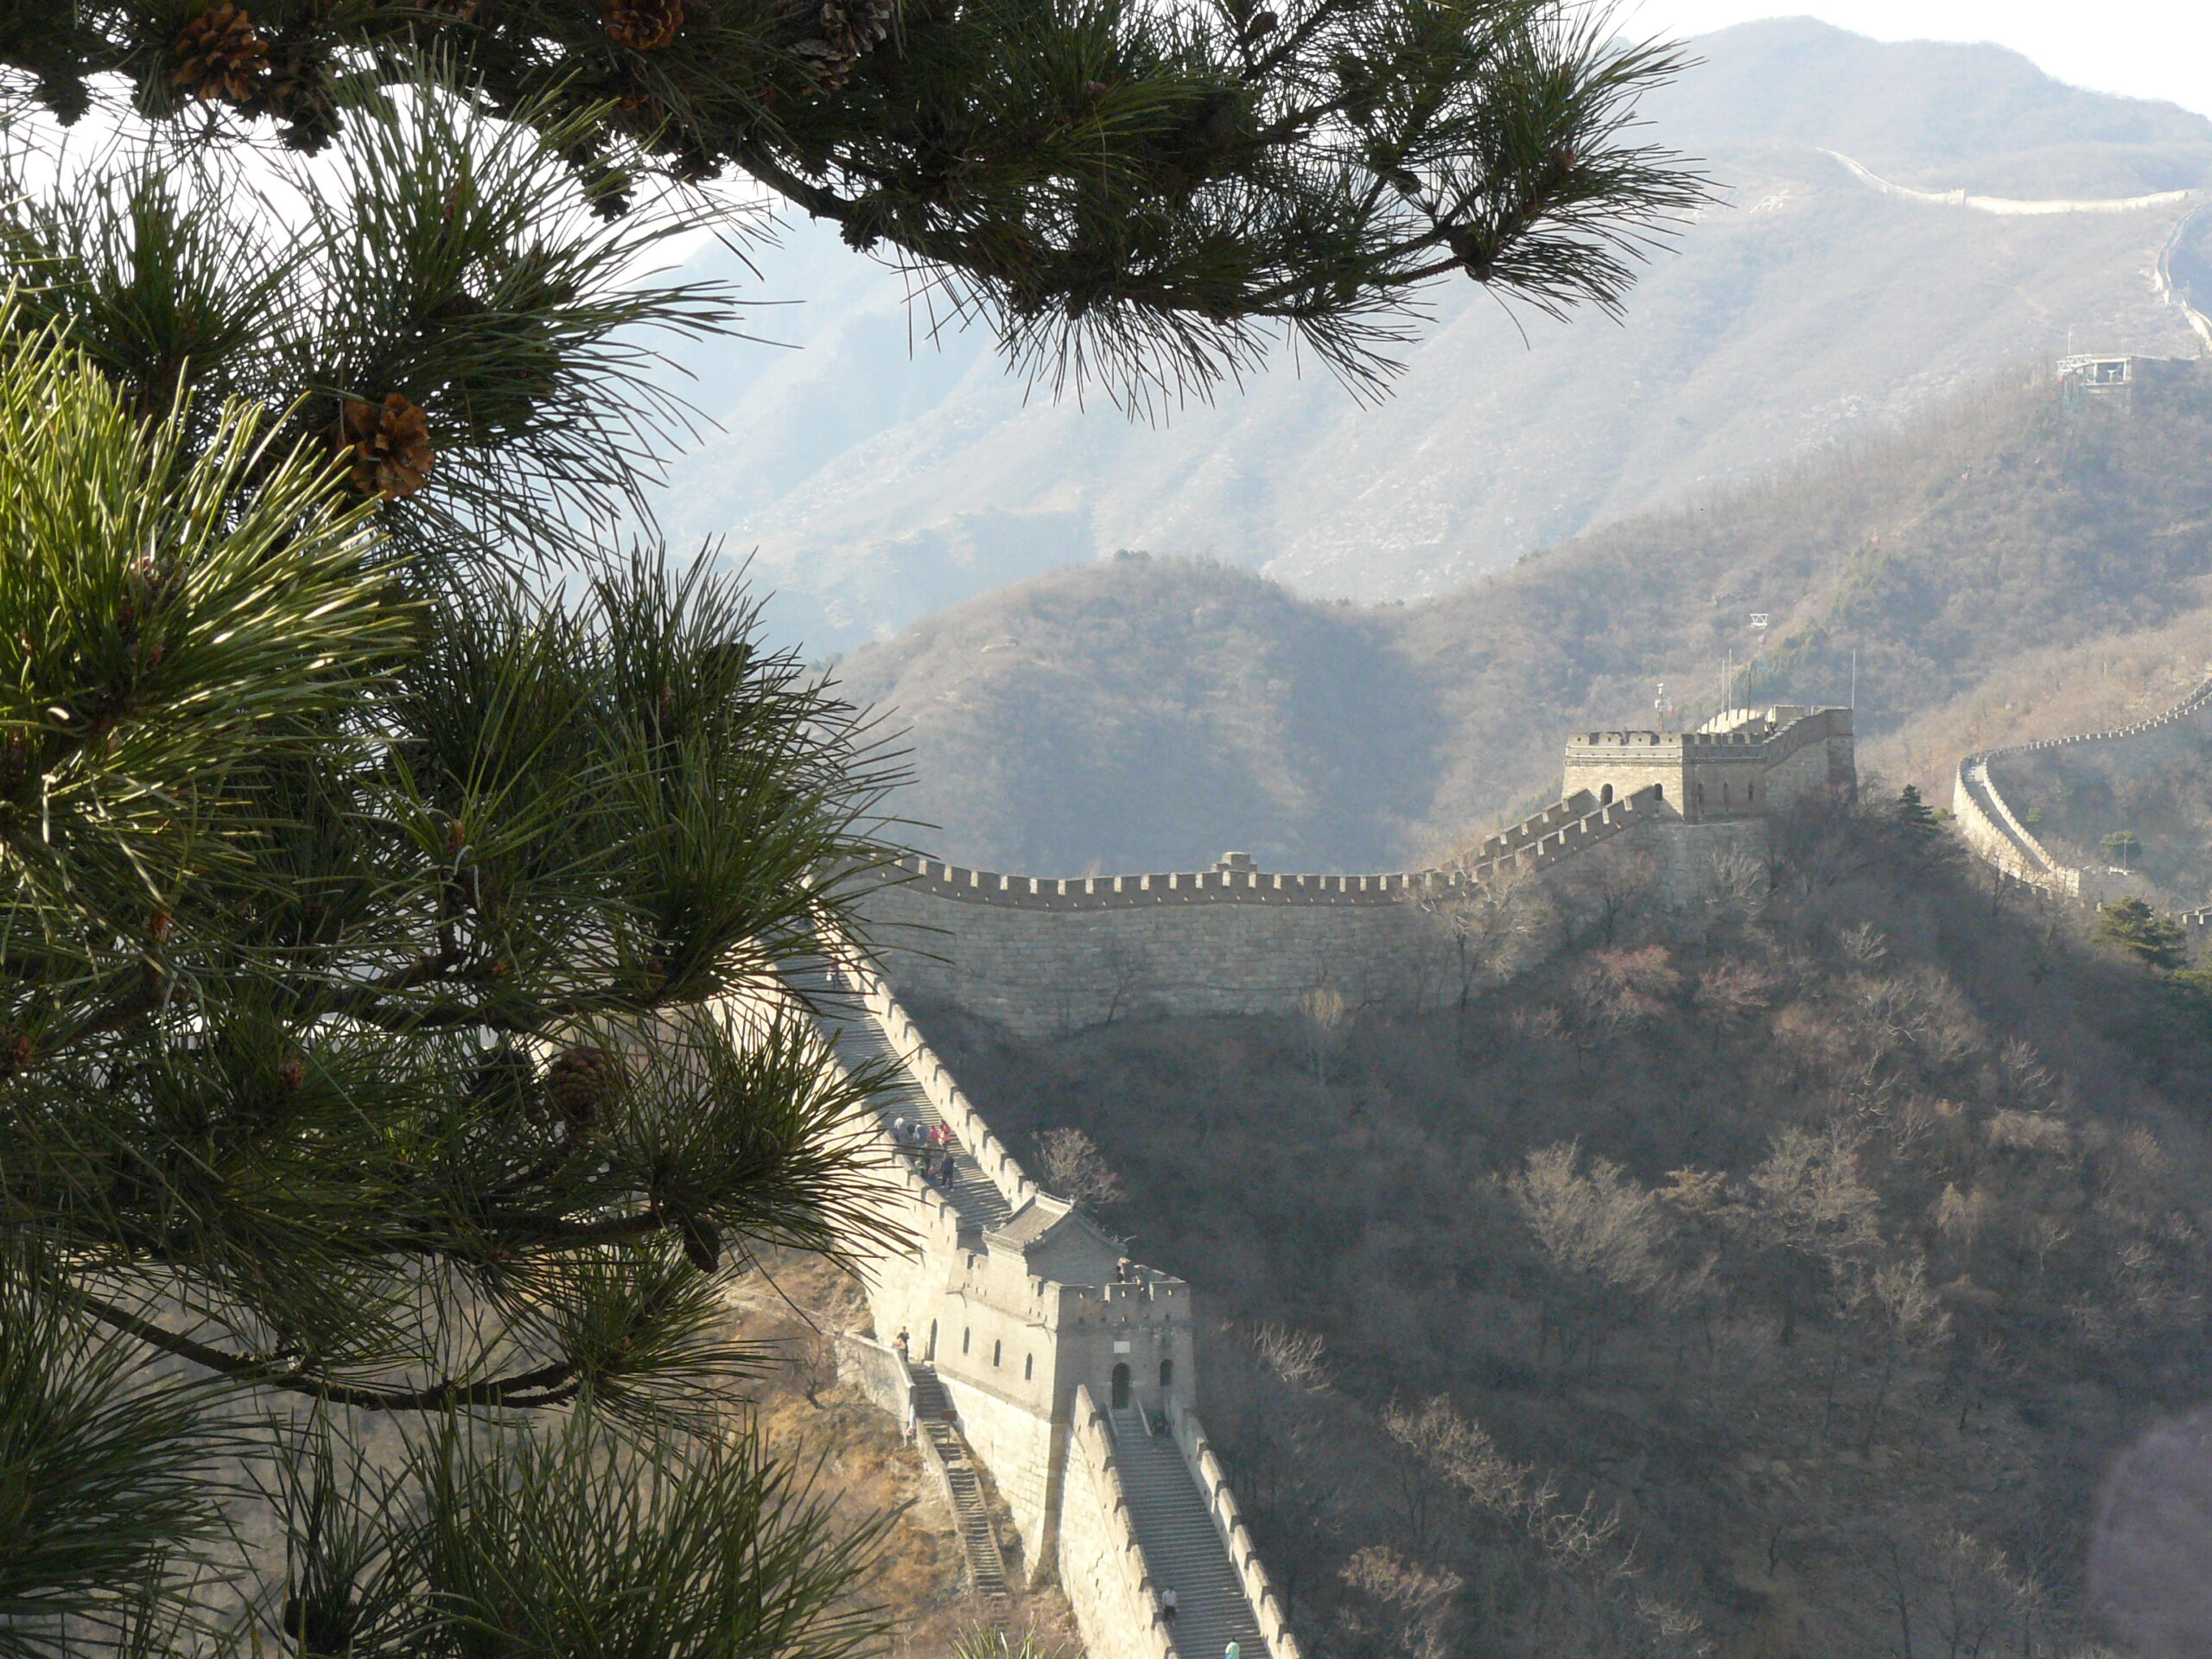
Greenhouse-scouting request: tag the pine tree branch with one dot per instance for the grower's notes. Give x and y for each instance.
(549, 1385)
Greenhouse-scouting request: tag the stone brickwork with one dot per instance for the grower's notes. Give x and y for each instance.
(1044, 955)
(1102, 1565)
(1746, 764)
(1024, 1314)
(1228, 1522)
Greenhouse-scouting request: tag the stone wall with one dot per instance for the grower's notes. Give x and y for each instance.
(1021, 1447)
(1229, 1522)
(1102, 1568)
(1996, 833)
(1766, 763)
(876, 1369)
(1044, 963)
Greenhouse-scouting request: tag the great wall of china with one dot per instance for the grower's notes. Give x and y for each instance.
(1043, 1375)
(2001, 837)
(1043, 954)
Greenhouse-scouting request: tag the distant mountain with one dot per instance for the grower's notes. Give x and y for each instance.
(880, 475)
(1997, 569)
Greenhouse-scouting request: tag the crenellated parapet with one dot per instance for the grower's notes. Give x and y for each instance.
(1050, 954)
(1743, 764)
(2001, 836)
(1563, 828)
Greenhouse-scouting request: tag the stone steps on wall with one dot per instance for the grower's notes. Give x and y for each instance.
(859, 1041)
(979, 1536)
(1183, 1549)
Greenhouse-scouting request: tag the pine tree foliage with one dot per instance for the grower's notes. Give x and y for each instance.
(437, 272)
(397, 890)
(1137, 192)
(394, 1013)
(2131, 925)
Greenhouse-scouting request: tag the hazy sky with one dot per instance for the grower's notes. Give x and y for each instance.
(2145, 48)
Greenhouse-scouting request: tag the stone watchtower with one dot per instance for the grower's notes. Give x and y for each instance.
(1744, 763)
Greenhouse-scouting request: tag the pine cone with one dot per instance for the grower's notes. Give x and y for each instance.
(583, 1083)
(387, 446)
(852, 29)
(641, 25)
(702, 1244)
(219, 55)
(296, 90)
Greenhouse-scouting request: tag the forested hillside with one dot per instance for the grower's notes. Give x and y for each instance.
(1995, 569)
(1777, 1279)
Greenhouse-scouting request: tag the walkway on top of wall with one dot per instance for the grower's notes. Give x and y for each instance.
(859, 1041)
(1183, 1550)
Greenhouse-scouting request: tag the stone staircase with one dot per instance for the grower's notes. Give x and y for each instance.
(859, 1041)
(979, 1535)
(1183, 1551)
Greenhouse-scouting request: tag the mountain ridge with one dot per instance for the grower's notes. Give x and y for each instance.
(1807, 306)
(1977, 570)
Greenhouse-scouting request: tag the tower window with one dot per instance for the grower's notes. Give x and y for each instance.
(966, 1332)
(997, 1348)
(1028, 1367)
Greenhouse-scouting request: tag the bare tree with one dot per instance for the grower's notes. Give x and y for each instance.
(1325, 1016)
(1604, 1238)
(1073, 1166)
(1406, 1604)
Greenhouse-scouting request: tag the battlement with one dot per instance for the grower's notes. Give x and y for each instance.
(1743, 763)
(1564, 827)
(1051, 953)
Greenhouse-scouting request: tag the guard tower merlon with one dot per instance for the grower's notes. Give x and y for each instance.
(1744, 763)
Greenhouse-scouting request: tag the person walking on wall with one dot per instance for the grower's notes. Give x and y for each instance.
(1167, 1605)
(1232, 1651)
(899, 1342)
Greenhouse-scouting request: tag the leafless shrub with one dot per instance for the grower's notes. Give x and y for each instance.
(1864, 944)
(1325, 1016)
(2038, 1132)
(1293, 1356)
(1073, 1166)
(1404, 1603)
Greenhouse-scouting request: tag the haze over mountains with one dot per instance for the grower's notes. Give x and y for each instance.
(879, 482)
(1995, 569)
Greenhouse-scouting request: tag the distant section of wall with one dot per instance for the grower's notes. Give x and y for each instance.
(1102, 1568)
(1996, 832)
(2010, 207)
(1043, 957)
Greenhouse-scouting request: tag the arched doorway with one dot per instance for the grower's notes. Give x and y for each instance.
(1605, 795)
(1121, 1388)
(1166, 1374)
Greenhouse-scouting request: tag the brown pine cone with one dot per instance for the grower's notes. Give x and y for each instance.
(219, 55)
(583, 1083)
(387, 446)
(702, 1244)
(854, 27)
(641, 25)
